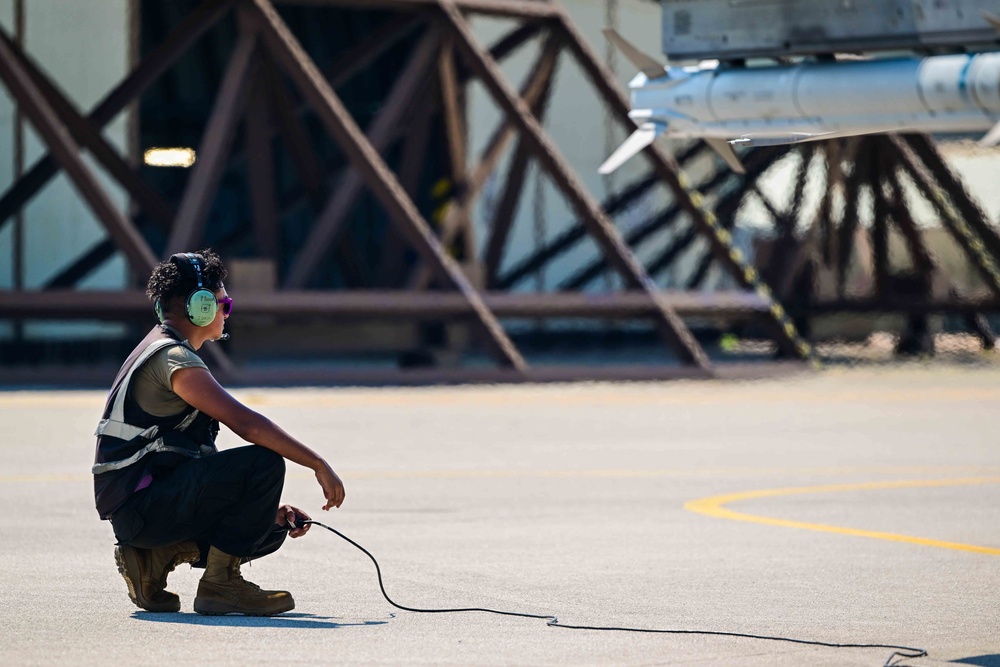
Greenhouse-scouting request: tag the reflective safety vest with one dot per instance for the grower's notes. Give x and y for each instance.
(131, 442)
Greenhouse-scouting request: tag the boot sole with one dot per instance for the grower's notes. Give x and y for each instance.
(214, 608)
(133, 589)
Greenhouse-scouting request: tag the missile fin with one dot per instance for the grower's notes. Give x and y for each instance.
(642, 137)
(992, 19)
(645, 63)
(726, 152)
(991, 138)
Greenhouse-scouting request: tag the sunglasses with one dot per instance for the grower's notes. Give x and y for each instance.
(227, 306)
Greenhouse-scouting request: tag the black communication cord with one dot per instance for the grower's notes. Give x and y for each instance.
(899, 653)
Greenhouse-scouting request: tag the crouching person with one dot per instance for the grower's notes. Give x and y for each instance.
(170, 495)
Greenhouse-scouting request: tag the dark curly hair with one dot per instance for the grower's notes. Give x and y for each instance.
(168, 283)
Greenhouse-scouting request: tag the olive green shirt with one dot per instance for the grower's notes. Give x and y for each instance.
(151, 385)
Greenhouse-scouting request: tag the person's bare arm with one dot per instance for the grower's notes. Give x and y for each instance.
(199, 389)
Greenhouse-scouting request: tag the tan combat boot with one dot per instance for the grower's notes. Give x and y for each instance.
(145, 572)
(222, 590)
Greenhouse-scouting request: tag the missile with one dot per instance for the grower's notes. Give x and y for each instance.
(779, 104)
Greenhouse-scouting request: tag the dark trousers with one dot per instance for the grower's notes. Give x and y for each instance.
(228, 500)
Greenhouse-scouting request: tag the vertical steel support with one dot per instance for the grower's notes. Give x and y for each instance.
(260, 170)
(376, 173)
(852, 195)
(390, 266)
(17, 240)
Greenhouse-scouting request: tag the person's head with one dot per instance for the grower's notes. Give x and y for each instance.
(188, 289)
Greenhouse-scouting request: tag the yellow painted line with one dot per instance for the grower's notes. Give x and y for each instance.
(715, 506)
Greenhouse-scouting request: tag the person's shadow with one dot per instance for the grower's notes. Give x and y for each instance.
(306, 621)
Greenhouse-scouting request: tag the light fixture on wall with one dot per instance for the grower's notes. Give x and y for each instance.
(169, 157)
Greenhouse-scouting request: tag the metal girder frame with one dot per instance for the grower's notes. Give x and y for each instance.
(154, 65)
(668, 322)
(383, 133)
(88, 137)
(537, 9)
(971, 211)
(787, 242)
(578, 231)
(198, 195)
(921, 258)
(390, 267)
(756, 164)
(849, 222)
(67, 152)
(968, 239)
(536, 96)
(719, 239)
(390, 304)
(379, 178)
(260, 170)
(329, 225)
(214, 147)
(534, 88)
(727, 209)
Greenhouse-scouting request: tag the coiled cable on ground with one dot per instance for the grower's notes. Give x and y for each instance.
(899, 653)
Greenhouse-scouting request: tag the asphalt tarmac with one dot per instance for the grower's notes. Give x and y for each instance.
(856, 506)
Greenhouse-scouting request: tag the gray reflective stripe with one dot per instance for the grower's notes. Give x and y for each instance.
(118, 411)
(186, 421)
(125, 431)
(156, 446)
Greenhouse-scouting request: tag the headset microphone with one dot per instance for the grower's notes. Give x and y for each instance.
(224, 336)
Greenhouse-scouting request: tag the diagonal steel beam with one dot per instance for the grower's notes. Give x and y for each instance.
(391, 262)
(88, 137)
(576, 232)
(534, 92)
(919, 254)
(536, 84)
(668, 322)
(329, 225)
(214, 148)
(67, 152)
(972, 245)
(506, 211)
(719, 240)
(81, 267)
(377, 175)
(970, 209)
(538, 9)
(154, 65)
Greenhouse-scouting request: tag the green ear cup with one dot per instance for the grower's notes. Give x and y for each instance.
(158, 309)
(201, 307)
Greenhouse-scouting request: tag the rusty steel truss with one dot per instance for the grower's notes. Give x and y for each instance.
(871, 190)
(445, 57)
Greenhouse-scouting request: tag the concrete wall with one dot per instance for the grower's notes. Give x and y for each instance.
(83, 46)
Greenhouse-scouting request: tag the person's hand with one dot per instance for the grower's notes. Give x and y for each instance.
(293, 515)
(333, 488)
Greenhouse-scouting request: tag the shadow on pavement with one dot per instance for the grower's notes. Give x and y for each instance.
(307, 621)
(992, 660)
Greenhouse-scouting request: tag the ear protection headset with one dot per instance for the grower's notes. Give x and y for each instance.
(200, 305)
